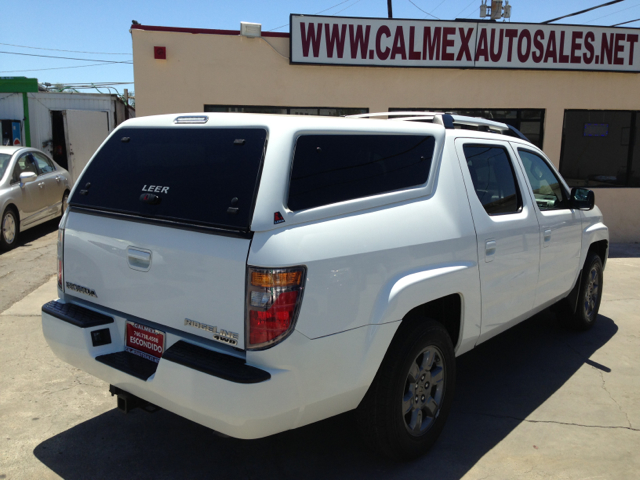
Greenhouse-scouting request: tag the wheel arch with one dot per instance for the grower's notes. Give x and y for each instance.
(445, 310)
(448, 294)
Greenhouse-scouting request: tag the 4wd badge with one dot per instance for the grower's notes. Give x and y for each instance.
(278, 218)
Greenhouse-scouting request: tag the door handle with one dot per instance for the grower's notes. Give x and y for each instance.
(547, 238)
(489, 250)
(41, 184)
(58, 178)
(139, 259)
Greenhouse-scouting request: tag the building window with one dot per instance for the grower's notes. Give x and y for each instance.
(600, 148)
(529, 121)
(325, 111)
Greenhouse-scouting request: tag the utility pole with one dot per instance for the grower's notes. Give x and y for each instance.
(389, 8)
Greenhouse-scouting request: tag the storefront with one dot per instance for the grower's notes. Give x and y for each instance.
(573, 90)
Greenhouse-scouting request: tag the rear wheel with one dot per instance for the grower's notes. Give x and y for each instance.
(407, 404)
(10, 227)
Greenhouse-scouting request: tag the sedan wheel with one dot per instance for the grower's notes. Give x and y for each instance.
(9, 230)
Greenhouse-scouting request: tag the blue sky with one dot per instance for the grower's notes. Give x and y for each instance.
(91, 26)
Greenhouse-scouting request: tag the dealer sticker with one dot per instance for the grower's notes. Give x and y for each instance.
(144, 341)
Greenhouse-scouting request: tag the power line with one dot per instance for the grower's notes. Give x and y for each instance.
(348, 6)
(317, 13)
(584, 11)
(66, 58)
(423, 11)
(617, 11)
(438, 5)
(466, 8)
(59, 50)
(62, 68)
(624, 23)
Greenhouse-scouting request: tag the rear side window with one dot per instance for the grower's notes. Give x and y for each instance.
(189, 174)
(493, 178)
(334, 168)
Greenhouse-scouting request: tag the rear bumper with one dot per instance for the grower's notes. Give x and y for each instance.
(241, 410)
(306, 380)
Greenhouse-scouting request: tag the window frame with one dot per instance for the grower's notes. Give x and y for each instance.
(298, 135)
(511, 159)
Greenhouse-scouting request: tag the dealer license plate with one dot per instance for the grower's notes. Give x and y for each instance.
(144, 341)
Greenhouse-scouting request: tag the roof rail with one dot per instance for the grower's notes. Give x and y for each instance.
(448, 120)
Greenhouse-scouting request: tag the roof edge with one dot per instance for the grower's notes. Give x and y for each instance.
(206, 31)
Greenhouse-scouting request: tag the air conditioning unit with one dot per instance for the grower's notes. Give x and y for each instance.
(250, 29)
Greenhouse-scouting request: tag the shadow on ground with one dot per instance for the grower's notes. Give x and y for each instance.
(28, 236)
(624, 250)
(499, 384)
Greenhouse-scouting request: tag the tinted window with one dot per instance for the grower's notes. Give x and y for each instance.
(493, 178)
(44, 164)
(334, 168)
(547, 189)
(195, 172)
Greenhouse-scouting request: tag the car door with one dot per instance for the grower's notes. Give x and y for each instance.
(53, 184)
(560, 226)
(28, 196)
(507, 232)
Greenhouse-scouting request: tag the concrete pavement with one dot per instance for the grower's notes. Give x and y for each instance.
(536, 402)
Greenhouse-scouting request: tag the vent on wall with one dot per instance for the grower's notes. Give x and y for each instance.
(250, 29)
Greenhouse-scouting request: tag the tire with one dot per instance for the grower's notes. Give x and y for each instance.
(589, 295)
(389, 418)
(9, 229)
(65, 203)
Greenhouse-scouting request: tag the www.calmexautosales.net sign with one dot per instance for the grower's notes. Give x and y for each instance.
(419, 43)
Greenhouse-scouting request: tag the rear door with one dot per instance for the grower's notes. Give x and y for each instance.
(507, 232)
(159, 226)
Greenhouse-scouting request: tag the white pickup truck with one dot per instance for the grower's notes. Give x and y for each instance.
(257, 273)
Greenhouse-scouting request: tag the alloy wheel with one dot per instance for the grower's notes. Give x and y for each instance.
(424, 391)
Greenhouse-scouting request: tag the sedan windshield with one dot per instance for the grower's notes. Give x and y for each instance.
(4, 163)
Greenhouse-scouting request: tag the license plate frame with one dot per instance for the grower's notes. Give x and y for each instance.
(146, 342)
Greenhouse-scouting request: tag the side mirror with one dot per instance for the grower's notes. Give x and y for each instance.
(27, 177)
(582, 198)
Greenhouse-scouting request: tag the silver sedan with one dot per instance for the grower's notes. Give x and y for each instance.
(33, 189)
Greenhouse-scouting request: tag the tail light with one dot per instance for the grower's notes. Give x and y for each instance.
(274, 296)
(60, 249)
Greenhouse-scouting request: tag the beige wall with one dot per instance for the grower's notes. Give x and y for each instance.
(234, 70)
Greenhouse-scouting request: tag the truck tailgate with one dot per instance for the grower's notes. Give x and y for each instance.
(188, 275)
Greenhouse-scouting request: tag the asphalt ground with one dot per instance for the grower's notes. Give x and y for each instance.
(30, 264)
(537, 401)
